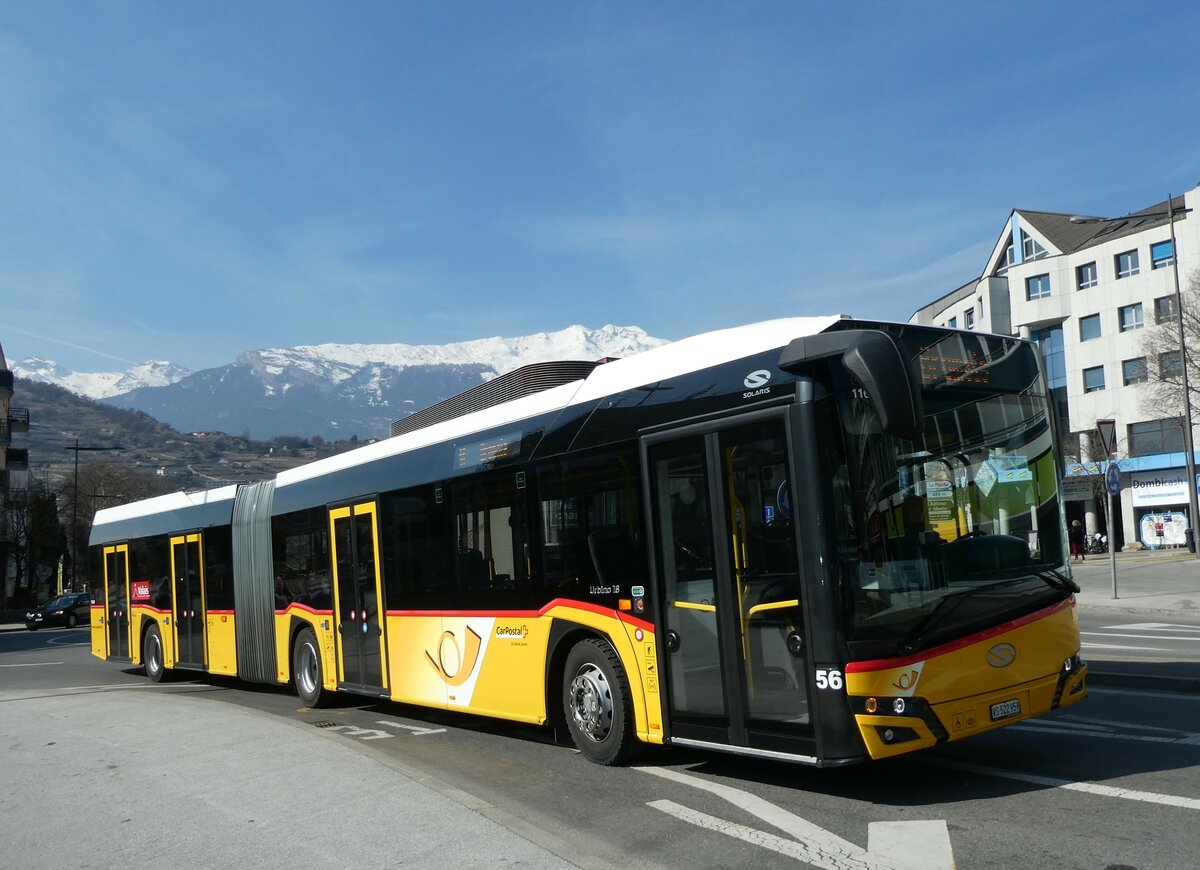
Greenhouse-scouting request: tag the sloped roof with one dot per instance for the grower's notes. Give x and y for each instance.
(1071, 233)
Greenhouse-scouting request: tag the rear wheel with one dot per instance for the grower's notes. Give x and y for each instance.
(597, 703)
(152, 655)
(306, 668)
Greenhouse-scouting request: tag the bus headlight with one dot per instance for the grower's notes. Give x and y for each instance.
(898, 706)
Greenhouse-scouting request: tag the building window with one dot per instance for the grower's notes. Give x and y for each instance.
(1037, 287)
(969, 318)
(1168, 364)
(1126, 264)
(953, 323)
(1085, 276)
(1050, 343)
(1164, 309)
(1133, 371)
(1093, 379)
(1030, 249)
(1156, 436)
(1131, 317)
(1089, 327)
(1162, 254)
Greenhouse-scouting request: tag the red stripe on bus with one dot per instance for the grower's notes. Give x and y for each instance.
(303, 607)
(534, 614)
(933, 652)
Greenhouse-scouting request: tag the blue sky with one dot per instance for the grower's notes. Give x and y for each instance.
(186, 181)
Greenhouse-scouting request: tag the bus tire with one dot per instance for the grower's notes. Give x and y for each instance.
(597, 703)
(152, 655)
(308, 675)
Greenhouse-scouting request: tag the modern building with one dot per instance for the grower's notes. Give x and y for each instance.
(1086, 289)
(14, 464)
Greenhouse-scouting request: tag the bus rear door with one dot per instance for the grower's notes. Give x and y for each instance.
(357, 598)
(728, 583)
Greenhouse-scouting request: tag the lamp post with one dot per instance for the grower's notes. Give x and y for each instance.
(75, 506)
(1189, 443)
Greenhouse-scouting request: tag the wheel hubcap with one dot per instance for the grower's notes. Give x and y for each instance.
(306, 672)
(591, 702)
(153, 654)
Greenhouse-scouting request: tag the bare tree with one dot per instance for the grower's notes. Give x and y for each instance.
(1162, 393)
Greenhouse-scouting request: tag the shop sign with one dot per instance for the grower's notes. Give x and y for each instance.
(1149, 488)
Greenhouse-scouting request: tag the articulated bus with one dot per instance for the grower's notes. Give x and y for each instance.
(819, 540)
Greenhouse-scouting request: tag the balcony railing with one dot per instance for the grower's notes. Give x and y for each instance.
(18, 419)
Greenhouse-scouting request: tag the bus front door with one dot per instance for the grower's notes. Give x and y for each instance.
(357, 597)
(187, 588)
(727, 572)
(116, 604)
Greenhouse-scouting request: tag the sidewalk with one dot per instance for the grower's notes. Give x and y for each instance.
(134, 779)
(1148, 581)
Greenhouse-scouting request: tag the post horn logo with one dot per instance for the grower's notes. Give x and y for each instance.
(453, 663)
(1002, 655)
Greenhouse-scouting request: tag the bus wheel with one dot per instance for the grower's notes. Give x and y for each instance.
(306, 668)
(152, 655)
(597, 703)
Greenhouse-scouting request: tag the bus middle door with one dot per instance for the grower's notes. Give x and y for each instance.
(727, 569)
(358, 597)
(187, 574)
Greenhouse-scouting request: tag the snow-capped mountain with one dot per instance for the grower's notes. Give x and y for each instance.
(100, 385)
(339, 390)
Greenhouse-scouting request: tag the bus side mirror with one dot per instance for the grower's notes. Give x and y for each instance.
(876, 363)
(872, 358)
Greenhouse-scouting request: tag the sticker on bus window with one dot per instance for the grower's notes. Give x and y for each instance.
(139, 590)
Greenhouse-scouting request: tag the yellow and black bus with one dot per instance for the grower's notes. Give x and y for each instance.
(819, 540)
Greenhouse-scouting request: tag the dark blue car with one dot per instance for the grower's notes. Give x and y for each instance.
(69, 610)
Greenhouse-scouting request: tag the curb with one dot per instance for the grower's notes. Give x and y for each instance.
(1142, 682)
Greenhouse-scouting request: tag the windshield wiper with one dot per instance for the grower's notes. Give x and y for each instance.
(1057, 579)
(916, 636)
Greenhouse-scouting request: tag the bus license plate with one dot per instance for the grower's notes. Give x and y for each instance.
(1006, 709)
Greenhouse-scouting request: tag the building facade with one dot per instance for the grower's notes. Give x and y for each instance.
(14, 465)
(1086, 289)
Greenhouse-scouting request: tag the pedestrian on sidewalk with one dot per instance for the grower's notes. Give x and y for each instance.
(1075, 536)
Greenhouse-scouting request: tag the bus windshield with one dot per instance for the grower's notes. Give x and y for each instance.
(961, 529)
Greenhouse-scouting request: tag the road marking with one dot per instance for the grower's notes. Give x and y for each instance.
(896, 845)
(1136, 636)
(1185, 740)
(413, 728)
(360, 733)
(1090, 645)
(1155, 626)
(1086, 787)
(32, 665)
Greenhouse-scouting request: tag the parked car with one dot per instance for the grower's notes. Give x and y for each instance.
(69, 610)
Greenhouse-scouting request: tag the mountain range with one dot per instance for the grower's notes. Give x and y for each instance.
(332, 390)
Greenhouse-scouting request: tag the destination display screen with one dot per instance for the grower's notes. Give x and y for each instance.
(961, 368)
(476, 453)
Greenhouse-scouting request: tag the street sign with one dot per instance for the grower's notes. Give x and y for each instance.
(1113, 478)
(1107, 430)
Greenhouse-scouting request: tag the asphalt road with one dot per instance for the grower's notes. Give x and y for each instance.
(1112, 782)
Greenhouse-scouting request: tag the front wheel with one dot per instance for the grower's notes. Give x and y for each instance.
(597, 703)
(152, 655)
(306, 667)
(71, 620)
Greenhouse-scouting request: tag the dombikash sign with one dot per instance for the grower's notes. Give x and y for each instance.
(1150, 488)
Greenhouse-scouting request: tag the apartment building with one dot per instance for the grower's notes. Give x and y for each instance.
(1086, 288)
(14, 463)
